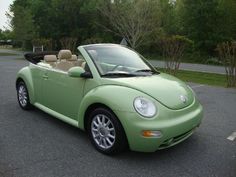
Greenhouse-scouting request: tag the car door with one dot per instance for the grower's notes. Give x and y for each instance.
(62, 93)
(38, 76)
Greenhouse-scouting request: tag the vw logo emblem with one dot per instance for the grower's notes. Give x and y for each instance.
(183, 98)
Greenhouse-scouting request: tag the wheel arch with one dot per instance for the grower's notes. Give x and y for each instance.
(102, 105)
(112, 97)
(25, 75)
(119, 99)
(18, 80)
(92, 107)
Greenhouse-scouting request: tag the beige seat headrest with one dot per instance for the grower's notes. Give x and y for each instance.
(83, 65)
(73, 58)
(50, 58)
(64, 55)
(80, 62)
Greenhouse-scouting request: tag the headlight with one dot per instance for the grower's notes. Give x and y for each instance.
(144, 107)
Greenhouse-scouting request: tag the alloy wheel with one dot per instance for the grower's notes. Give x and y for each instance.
(22, 95)
(103, 131)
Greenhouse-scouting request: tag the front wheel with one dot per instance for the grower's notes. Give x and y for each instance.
(23, 96)
(106, 132)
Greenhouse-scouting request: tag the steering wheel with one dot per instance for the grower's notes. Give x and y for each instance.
(113, 69)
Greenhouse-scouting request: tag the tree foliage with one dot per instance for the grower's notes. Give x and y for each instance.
(55, 19)
(133, 20)
(142, 22)
(6, 35)
(227, 20)
(200, 22)
(170, 19)
(22, 21)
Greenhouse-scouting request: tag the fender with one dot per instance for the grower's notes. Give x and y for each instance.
(26, 76)
(117, 98)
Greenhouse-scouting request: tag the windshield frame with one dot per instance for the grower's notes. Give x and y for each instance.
(152, 69)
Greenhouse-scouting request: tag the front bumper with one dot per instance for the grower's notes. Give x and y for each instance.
(175, 126)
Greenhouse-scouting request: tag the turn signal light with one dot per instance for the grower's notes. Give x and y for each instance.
(150, 133)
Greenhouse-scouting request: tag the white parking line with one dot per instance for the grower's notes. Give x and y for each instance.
(232, 136)
(196, 86)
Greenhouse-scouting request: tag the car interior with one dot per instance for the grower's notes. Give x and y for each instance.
(64, 61)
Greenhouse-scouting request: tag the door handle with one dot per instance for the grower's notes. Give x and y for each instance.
(45, 76)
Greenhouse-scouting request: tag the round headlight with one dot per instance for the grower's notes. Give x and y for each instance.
(144, 107)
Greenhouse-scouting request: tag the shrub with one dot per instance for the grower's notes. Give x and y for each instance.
(69, 43)
(227, 54)
(173, 49)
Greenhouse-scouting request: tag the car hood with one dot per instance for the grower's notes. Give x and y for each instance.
(166, 89)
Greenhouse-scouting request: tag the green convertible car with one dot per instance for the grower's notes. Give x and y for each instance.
(112, 93)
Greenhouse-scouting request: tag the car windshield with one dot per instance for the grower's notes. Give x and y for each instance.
(118, 61)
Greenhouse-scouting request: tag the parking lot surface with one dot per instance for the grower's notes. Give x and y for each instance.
(34, 144)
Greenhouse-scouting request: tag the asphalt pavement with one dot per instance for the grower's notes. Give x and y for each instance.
(35, 144)
(193, 67)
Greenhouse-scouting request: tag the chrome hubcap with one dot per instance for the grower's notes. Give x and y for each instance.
(103, 131)
(22, 95)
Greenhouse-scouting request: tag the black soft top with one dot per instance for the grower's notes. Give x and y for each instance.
(36, 57)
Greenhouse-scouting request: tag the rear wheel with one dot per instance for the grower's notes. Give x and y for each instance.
(23, 96)
(106, 132)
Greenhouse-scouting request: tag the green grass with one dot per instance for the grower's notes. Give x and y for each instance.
(7, 54)
(201, 77)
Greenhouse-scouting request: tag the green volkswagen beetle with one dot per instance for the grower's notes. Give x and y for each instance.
(112, 93)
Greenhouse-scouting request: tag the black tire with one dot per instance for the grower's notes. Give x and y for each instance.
(120, 141)
(21, 87)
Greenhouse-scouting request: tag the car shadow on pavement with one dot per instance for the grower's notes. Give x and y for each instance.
(60, 124)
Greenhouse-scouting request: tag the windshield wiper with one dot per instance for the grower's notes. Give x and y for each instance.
(124, 74)
(148, 71)
(144, 70)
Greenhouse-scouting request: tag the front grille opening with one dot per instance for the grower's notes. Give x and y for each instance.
(175, 139)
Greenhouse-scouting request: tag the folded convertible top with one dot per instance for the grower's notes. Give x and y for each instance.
(36, 57)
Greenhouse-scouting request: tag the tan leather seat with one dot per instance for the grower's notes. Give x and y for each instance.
(80, 62)
(64, 55)
(64, 63)
(51, 60)
(74, 58)
(83, 64)
(75, 61)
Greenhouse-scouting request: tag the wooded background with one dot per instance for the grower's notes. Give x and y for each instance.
(144, 23)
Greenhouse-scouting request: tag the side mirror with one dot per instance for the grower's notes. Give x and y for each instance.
(76, 71)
